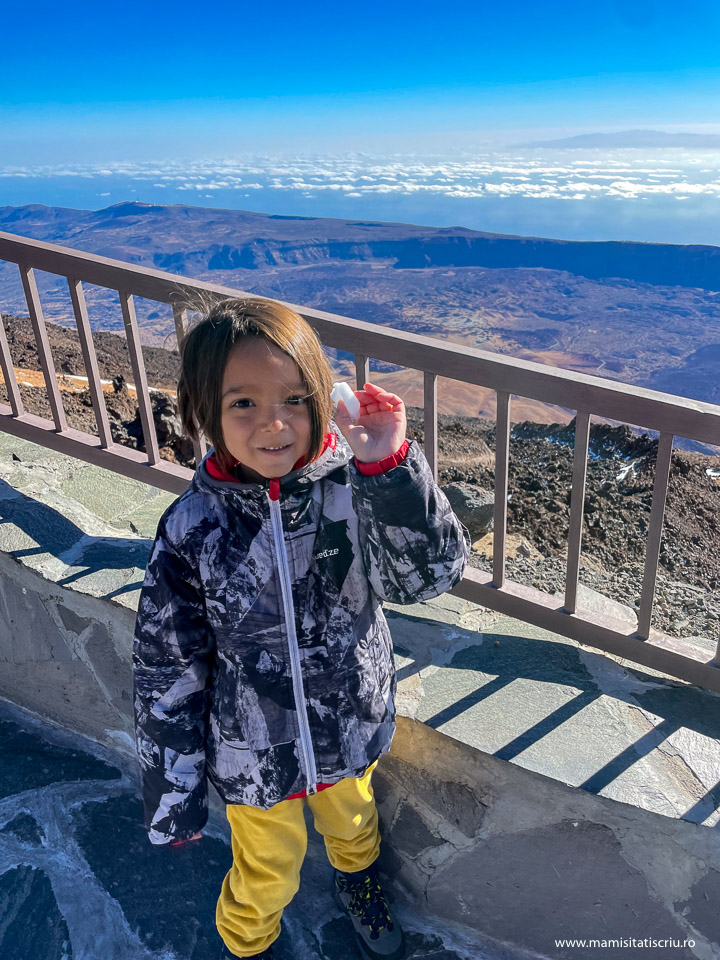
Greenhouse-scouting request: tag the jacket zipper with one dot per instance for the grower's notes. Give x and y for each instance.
(298, 689)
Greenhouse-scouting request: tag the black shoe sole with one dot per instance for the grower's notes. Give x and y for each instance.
(231, 956)
(361, 945)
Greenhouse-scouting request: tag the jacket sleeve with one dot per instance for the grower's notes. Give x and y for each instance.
(413, 546)
(173, 653)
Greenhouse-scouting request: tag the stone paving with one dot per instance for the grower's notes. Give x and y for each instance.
(550, 705)
(79, 879)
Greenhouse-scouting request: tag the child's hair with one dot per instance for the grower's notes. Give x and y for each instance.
(204, 353)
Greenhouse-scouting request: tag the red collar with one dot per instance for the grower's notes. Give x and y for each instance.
(216, 471)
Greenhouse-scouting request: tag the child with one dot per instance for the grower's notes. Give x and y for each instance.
(262, 658)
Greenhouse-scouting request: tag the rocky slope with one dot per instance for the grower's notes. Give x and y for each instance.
(617, 505)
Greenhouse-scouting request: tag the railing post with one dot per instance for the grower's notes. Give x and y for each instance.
(47, 363)
(657, 511)
(502, 458)
(362, 371)
(138, 367)
(181, 325)
(91, 365)
(430, 422)
(577, 505)
(9, 374)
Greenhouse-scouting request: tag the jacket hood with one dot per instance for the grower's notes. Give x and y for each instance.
(292, 482)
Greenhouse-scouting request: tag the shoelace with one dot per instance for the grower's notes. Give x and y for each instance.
(368, 904)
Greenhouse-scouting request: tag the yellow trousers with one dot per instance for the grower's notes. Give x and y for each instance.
(269, 847)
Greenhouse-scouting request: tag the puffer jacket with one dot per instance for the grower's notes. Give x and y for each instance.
(262, 659)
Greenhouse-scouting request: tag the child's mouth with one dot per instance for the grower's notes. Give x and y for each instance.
(272, 450)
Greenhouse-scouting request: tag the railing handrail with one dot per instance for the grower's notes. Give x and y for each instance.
(588, 395)
(694, 419)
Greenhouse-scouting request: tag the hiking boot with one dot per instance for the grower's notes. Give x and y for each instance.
(360, 895)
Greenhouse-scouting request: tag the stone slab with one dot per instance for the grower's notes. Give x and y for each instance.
(77, 524)
(544, 863)
(31, 923)
(550, 705)
(566, 880)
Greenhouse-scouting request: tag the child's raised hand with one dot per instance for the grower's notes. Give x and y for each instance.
(380, 427)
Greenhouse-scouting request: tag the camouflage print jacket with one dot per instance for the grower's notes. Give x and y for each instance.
(262, 659)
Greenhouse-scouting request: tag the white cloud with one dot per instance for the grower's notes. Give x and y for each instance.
(618, 174)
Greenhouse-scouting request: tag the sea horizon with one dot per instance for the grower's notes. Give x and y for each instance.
(655, 196)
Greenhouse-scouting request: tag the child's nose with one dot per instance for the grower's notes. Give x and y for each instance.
(277, 415)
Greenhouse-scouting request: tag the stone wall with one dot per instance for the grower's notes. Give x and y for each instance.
(66, 656)
(526, 861)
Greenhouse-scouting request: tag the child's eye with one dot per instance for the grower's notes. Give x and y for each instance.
(245, 404)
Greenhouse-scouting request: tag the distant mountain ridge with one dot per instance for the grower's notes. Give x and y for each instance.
(260, 240)
(632, 139)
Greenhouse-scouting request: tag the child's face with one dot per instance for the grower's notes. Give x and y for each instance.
(263, 405)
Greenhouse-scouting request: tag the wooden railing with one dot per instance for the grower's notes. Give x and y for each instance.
(669, 415)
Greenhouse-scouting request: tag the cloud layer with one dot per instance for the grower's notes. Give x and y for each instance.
(628, 175)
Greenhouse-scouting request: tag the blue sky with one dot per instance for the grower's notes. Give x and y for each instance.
(410, 112)
(90, 81)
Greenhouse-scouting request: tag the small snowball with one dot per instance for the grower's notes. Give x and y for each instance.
(342, 391)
